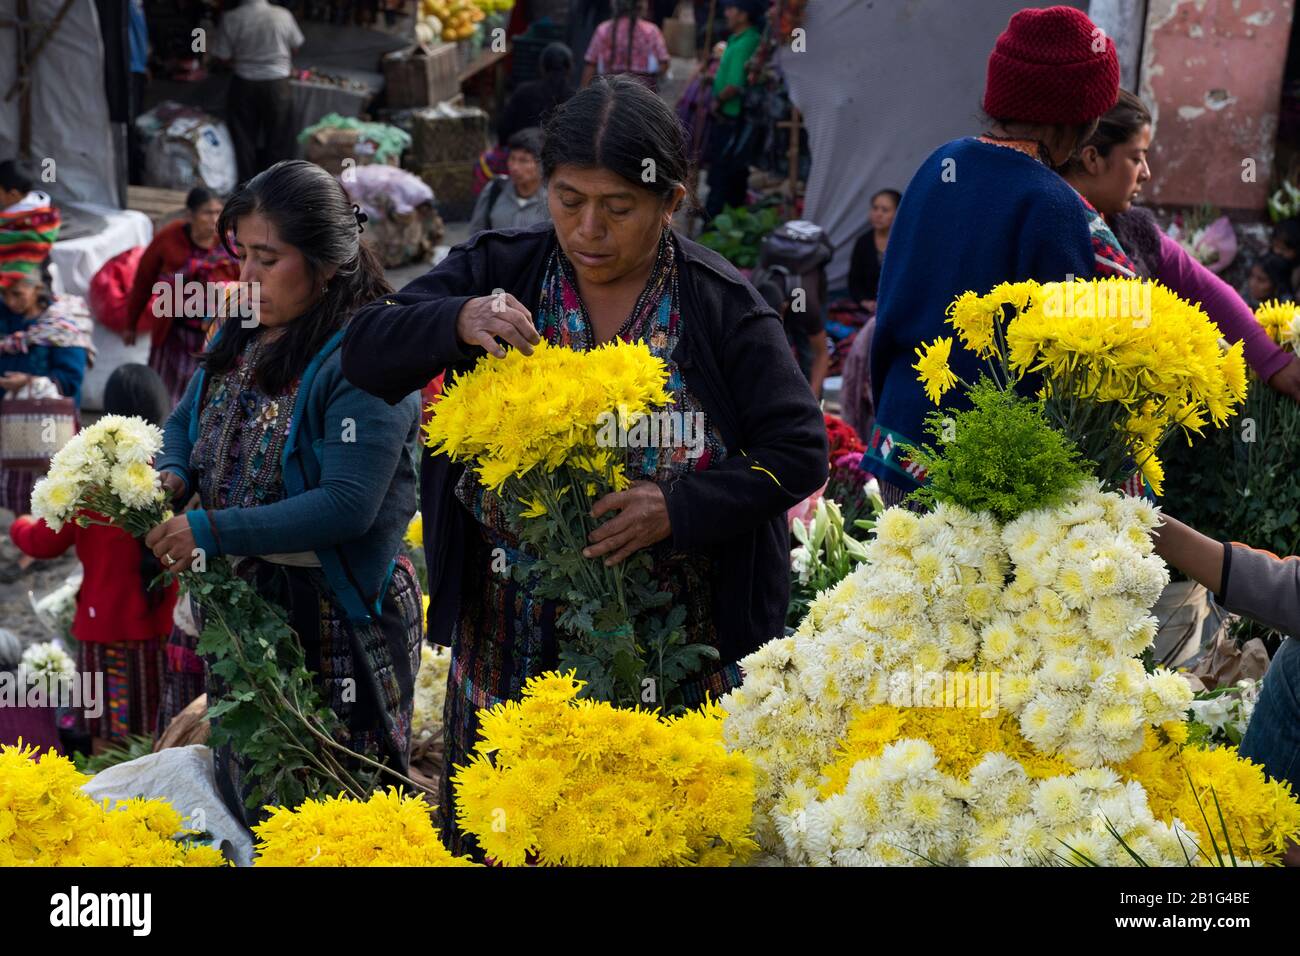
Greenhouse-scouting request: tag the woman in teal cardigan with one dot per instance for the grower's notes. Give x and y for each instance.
(305, 480)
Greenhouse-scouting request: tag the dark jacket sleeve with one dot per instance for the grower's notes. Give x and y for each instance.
(397, 344)
(782, 458)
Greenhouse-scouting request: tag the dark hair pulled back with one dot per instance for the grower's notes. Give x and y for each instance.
(311, 212)
(618, 124)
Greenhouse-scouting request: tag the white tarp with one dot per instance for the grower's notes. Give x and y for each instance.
(183, 776)
(880, 86)
(69, 107)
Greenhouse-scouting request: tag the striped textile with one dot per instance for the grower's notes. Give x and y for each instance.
(26, 235)
(132, 686)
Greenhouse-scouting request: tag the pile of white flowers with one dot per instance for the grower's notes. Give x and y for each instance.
(430, 692)
(48, 666)
(1056, 603)
(106, 467)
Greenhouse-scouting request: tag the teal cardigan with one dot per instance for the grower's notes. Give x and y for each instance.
(349, 476)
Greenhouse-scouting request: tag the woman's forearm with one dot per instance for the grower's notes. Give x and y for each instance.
(1197, 556)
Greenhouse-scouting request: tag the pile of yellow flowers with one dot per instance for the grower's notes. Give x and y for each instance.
(561, 781)
(1192, 783)
(46, 820)
(1117, 356)
(513, 415)
(960, 736)
(389, 829)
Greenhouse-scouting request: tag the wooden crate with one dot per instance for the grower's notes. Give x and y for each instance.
(421, 75)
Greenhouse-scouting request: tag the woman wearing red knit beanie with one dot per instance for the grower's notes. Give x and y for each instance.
(989, 209)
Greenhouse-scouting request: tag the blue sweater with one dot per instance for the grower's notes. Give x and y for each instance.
(973, 215)
(349, 477)
(65, 366)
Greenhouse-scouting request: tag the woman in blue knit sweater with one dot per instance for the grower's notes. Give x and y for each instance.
(306, 480)
(991, 209)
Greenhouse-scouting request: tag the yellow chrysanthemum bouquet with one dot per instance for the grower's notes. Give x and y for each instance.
(47, 820)
(1123, 363)
(559, 781)
(271, 712)
(538, 431)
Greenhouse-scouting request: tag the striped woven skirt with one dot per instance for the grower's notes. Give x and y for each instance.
(175, 358)
(16, 490)
(132, 681)
(185, 677)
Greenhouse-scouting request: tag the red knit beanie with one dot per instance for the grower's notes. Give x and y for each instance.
(1051, 66)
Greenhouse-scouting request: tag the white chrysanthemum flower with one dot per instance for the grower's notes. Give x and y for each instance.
(998, 639)
(1066, 673)
(136, 484)
(1059, 802)
(55, 500)
(1043, 720)
(898, 527)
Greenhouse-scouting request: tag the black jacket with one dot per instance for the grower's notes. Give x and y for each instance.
(733, 355)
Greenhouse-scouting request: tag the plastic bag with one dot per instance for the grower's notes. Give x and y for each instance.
(110, 290)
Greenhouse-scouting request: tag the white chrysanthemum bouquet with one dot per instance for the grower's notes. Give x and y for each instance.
(105, 475)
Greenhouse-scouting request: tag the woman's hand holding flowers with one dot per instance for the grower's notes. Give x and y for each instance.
(172, 543)
(642, 520)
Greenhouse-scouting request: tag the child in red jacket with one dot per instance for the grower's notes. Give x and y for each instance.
(121, 623)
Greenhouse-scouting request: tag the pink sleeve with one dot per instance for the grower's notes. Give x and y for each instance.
(598, 48)
(660, 45)
(1184, 275)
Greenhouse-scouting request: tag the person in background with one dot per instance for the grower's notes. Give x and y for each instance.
(583, 18)
(138, 37)
(869, 250)
(628, 43)
(1270, 278)
(41, 338)
(29, 223)
(610, 267)
(305, 480)
(728, 160)
(1005, 217)
(519, 199)
(1262, 586)
(121, 621)
(533, 101)
(1109, 171)
(257, 39)
(1286, 243)
(188, 247)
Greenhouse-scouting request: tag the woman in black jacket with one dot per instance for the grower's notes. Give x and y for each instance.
(609, 266)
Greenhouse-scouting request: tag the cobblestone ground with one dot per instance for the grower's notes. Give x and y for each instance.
(40, 579)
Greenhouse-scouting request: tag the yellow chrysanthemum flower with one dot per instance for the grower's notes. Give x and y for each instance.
(932, 366)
